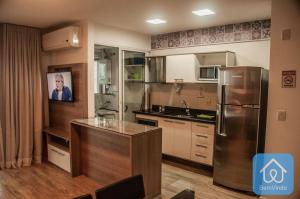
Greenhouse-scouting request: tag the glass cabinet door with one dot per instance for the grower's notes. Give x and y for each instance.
(133, 83)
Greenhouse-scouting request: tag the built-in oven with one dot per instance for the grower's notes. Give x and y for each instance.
(145, 121)
(208, 73)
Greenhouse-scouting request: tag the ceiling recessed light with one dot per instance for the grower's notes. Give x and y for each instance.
(203, 12)
(156, 21)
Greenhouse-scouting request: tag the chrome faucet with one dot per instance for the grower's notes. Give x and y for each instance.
(187, 108)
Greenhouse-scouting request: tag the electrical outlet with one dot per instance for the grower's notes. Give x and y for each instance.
(281, 115)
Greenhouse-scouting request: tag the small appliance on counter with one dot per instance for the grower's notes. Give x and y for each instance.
(241, 123)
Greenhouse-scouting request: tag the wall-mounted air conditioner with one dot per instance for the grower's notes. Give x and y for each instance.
(68, 37)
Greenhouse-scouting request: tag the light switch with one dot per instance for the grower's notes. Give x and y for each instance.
(281, 115)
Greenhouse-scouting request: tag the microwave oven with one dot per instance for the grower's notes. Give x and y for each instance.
(208, 73)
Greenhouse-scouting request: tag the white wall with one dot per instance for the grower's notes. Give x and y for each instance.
(115, 37)
(253, 53)
(284, 136)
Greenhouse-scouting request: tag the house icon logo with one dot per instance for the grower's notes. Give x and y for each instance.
(273, 174)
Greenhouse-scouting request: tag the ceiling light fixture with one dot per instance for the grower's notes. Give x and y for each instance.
(156, 21)
(203, 12)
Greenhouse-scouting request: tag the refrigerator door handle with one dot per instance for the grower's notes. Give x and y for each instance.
(220, 121)
(220, 113)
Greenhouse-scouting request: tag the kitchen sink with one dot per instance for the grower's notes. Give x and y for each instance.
(184, 116)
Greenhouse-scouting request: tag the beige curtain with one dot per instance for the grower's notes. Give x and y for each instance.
(21, 96)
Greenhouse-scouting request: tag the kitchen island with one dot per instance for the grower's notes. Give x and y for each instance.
(110, 150)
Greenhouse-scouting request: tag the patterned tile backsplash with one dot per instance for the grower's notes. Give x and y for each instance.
(230, 33)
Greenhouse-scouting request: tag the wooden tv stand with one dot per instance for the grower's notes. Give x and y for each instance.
(57, 146)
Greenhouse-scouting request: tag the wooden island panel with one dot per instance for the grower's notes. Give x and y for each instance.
(148, 165)
(108, 156)
(105, 157)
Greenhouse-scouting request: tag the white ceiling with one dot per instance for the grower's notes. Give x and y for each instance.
(131, 14)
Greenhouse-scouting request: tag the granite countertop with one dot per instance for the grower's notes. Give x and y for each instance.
(176, 116)
(117, 126)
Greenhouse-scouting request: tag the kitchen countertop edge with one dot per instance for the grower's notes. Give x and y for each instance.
(175, 117)
(125, 132)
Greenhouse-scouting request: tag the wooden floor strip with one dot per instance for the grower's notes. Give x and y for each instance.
(50, 182)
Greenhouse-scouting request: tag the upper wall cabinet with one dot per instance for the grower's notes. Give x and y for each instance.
(181, 68)
(68, 37)
(225, 58)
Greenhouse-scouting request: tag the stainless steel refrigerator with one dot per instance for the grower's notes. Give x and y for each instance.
(241, 121)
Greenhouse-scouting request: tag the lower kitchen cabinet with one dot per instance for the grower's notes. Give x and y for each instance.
(167, 136)
(202, 143)
(176, 137)
(184, 139)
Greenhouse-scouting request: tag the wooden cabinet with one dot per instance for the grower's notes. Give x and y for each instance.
(167, 137)
(188, 140)
(57, 148)
(202, 142)
(176, 137)
(59, 157)
(181, 68)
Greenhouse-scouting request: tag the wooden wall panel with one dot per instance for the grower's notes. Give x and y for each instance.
(146, 160)
(105, 157)
(61, 113)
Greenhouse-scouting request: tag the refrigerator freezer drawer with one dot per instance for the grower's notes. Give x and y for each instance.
(203, 128)
(240, 85)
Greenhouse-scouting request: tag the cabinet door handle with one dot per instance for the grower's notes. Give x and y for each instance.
(202, 136)
(179, 80)
(202, 146)
(168, 121)
(202, 156)
(57, 152)
(204, 126)
(176, 122)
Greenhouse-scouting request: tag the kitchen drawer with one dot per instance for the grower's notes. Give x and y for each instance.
(202, 149)
(201, 158)
(59, 157)
(202, 138)
(146, 117)
(203, 128)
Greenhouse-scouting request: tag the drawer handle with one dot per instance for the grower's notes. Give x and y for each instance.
(199, 145)
(57, 152)
(170, 121)
(204, 126)
(202, 136)
(179, 80)
(202, 156)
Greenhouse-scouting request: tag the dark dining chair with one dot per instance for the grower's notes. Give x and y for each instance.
(87, 196)
(129, 188)
(185, 194)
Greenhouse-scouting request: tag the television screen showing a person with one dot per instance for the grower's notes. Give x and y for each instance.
(61, 92)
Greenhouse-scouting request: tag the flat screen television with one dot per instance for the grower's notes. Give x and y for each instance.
(60, 86)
